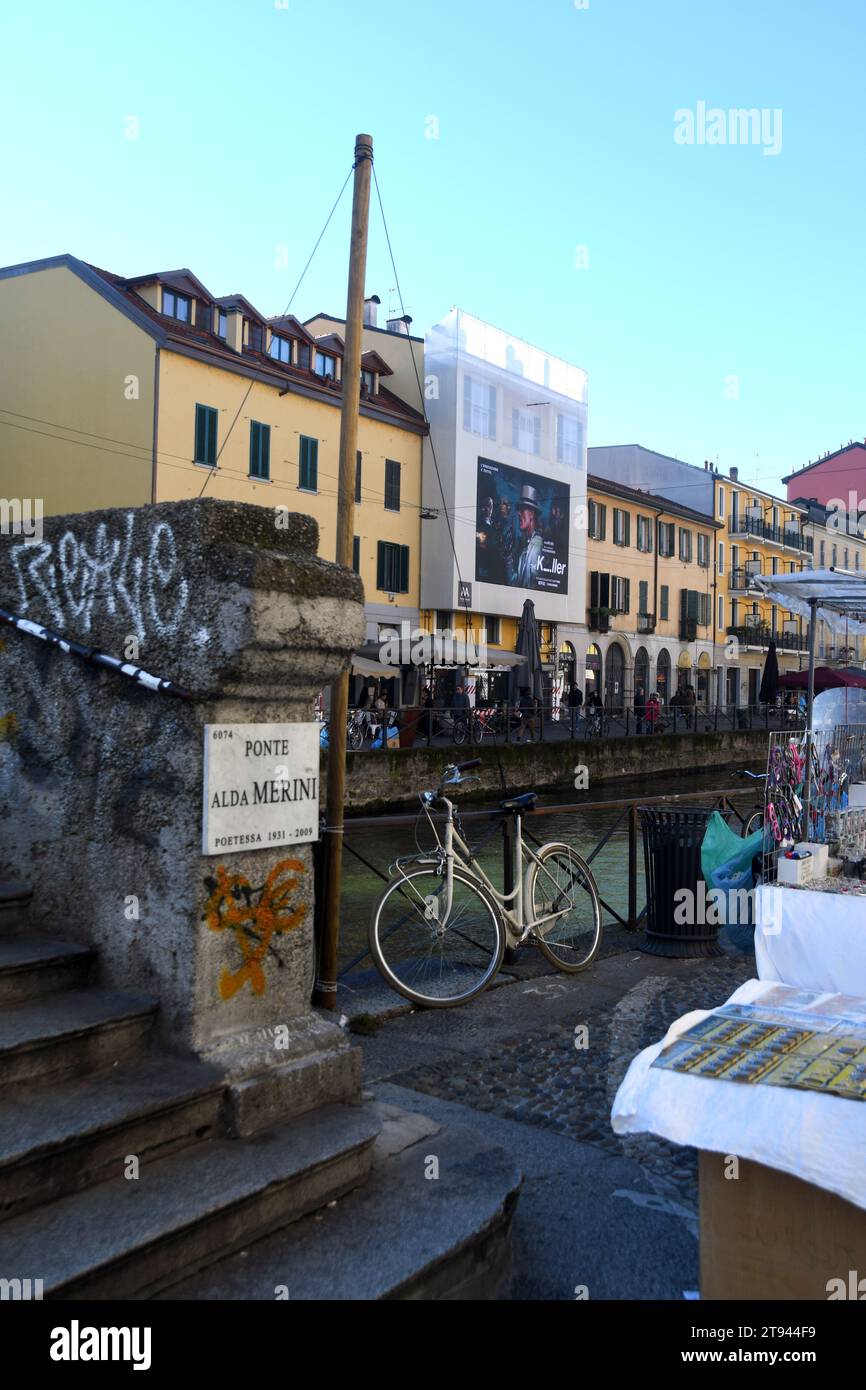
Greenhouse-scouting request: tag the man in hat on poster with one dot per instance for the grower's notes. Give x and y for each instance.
(529, 521)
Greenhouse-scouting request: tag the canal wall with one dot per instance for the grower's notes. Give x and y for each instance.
(376, 780)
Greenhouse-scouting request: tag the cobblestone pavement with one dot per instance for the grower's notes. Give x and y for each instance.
(541, 1078)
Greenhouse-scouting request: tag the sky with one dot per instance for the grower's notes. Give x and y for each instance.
(535, 170)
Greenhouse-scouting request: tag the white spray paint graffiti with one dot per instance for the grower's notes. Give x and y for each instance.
(114, 577)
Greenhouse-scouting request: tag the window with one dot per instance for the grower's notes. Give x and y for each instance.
(856, 559)
(308, 469)
(222, 324)
(664, 596)
(694, 607)
(845, 558)
(392, 568)
(479, 407)
(205, 435)
(281, 349)
(621, 526)
(721, 614)
(260, 451)
(821, 562)
(833, 561)
(255, 337)
(176, 306)
(667, 532)
(356, 554)
(721, 501)
(392, 485)
(644, 534)
(358, 476)
(368, 380)
(721, 558)
(642, 597)
(620, 594)
(703, 551)
(526, 431)
(597, 518)
(491, 625)
(443, 620)
(569, 441)
(326, 365)
(685, 545)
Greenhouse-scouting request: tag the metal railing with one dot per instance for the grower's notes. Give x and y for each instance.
(504, 725)
(764, 530)
(758, 635)
(625, 821)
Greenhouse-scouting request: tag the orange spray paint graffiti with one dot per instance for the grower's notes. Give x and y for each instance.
(231, 907)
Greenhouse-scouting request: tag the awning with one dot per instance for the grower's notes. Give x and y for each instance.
(826, 678)
(456, 651)
(839, 597)
(365, 666)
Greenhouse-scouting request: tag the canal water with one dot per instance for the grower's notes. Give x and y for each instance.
(380, 846)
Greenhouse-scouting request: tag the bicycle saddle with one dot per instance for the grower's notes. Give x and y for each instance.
(519, 803)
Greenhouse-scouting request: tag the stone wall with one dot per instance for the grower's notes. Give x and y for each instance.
(375, 780)
(101, 780)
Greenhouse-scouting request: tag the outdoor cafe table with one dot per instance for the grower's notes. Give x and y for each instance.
(814, 940)
(799, 1208)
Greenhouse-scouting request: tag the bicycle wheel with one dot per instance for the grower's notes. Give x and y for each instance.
(436, 963)
(356, 737)
(461, 731)
(755, 822)
(562, 884)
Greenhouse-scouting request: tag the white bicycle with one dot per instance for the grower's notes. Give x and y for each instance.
(440, 928)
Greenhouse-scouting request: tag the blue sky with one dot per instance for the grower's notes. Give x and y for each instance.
(555, 131)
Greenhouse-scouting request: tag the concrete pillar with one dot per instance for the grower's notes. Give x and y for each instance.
(101, 779)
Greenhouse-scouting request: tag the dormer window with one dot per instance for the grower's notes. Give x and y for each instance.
(368, 380)
(253, 335)
(222, 324)
(326, 365)
(176, 306)
(281, 349)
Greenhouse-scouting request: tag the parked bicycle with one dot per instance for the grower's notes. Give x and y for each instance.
(756, 819)
(439, 930)
(597, 723)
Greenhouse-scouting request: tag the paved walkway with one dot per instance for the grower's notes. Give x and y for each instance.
(615, 1215)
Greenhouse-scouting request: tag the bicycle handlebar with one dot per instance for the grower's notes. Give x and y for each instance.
(464, 767)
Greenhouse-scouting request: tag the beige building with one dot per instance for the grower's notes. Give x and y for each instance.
(117, 392)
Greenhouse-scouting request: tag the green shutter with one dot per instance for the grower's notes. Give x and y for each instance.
(356, 554)
(380, 565)
(663, 601)
(308, 477)
(205, 435)
(403, 586)
(642, 591)
(358, 476)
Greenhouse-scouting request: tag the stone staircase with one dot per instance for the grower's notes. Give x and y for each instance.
(117, 1180)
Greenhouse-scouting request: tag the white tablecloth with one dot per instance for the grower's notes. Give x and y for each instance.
(819, 1138)
(813, 940)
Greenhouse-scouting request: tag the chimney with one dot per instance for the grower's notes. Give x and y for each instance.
(735, 473)
(370, 304)
(400, 325)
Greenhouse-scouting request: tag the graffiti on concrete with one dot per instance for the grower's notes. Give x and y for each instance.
(121, 577)
(255, 916)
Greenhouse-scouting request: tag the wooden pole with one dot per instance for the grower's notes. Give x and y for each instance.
(326, 983)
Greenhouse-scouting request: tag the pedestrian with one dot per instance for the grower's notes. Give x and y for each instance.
(639, 708)
(690, 702)
(527, 717)
(653, 710)
(575, 700)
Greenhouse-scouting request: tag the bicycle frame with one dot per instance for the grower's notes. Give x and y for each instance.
(517, 919)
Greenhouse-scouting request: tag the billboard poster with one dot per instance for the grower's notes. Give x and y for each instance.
(521, 533)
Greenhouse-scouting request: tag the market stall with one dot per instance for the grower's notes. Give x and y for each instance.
(771, 1086)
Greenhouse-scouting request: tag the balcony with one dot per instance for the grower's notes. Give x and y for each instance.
(740, 579)
(787, 536)
(646, 623)
(759, 636)
(598, 619)
(688, 629)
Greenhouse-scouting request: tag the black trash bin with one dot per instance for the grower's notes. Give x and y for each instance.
(672, 838)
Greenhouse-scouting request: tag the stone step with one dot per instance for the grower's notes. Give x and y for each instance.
(14, 907)
(404, 1235)
(34, 965)
(129, 1238)
(62, 1137)
(77, 1031)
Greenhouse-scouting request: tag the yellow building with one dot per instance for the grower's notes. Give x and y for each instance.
(117, 392)
(650, 610)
